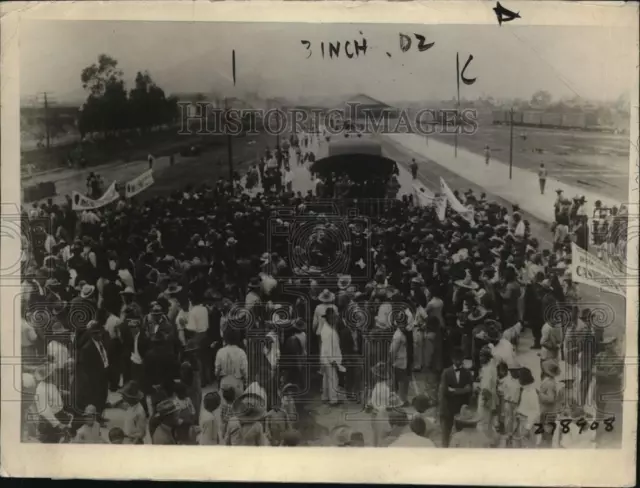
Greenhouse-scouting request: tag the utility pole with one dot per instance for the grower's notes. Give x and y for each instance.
(46, 121)
(229, 144)
(510, 142)
(457, 104)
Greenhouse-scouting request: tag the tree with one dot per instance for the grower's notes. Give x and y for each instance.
(109, 109)
(541, 99)
(96, 77)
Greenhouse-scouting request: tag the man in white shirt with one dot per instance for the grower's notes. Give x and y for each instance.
(53, 421)
(231, 365)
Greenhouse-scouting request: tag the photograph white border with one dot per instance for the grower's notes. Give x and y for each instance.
(615, 467)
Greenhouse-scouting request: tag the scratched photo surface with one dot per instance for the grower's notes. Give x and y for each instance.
(347, 235)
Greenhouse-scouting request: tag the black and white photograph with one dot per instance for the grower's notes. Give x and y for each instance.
(325, 235)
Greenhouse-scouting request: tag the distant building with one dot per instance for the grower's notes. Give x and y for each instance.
(371, 106)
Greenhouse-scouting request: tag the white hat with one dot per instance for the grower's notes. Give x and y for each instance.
(87, 291)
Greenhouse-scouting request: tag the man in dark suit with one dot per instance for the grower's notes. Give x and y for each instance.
(92, 369)
(456, 387)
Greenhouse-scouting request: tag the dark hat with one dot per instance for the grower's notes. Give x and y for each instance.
(166, 407)
(131, 391)
(467, 417)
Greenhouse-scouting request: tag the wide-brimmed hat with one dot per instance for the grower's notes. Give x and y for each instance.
(478, 314)
(173, 288)
(467, 283)
(467, 417)
(340, 435)
(551, 367)
(131, 391)
(254, 283)
(166, 407)
(128, 291)
(344, 281)
(87, 291)
(326, 296)
(249, 407)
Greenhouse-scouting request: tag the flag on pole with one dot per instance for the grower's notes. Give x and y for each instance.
(422, 196)
(465, 212)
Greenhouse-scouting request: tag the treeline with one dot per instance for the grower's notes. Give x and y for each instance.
(110, 110)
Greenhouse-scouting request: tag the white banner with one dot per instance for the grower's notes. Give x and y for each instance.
(138, 184)
(589, 270)
(465, 212)
(441, 207)
(422, 196)
(82, 202)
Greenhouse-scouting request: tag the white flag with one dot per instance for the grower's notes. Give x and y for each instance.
(466, 213)
(422, 196)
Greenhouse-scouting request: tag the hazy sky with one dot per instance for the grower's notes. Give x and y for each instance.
(510, 61)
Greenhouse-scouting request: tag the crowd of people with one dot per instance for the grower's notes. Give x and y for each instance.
(214, 328)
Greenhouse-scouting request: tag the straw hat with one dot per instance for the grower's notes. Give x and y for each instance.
(551, 367)
(87, 291)
(166, 407)
(326, 296)
(467, 417)
(467, 283)
(478, 314)
(249, 407)
(131, 391)
(173, 288)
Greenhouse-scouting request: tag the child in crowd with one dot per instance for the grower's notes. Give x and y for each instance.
(187, 413)
(89, 432)
(135, 417)
(116, 436)
(226, 408)
(210, 420)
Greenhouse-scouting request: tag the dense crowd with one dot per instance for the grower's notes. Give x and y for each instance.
(207, 290)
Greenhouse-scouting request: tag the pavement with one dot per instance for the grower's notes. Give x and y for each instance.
(522, 189)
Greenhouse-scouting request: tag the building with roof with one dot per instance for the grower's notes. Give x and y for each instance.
(368, 106)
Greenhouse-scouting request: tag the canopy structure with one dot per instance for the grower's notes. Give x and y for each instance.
(358, 157)
(357, 166)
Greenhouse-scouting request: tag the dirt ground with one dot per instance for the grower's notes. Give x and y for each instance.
(593, 160)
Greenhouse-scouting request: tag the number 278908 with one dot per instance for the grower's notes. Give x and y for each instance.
(582, 424)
